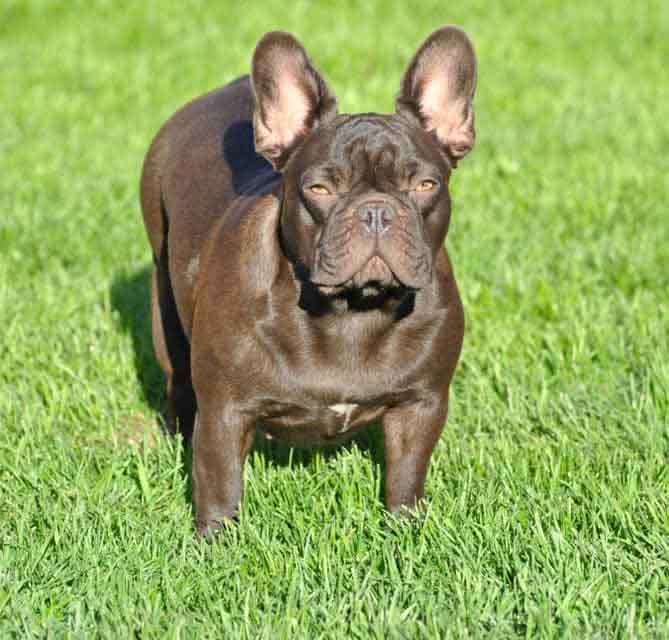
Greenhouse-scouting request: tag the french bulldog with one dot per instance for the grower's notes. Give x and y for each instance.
(300, 282)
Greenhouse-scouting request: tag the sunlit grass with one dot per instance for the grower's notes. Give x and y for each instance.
(548, 493)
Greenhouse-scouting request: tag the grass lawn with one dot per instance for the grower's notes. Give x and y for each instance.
(549, 491)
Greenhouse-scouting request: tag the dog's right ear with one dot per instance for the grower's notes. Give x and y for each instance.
(291, 97)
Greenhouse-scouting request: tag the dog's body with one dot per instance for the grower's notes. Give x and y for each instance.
(313, 296)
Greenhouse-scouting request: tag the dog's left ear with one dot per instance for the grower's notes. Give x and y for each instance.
(291, 97)
(438, 90)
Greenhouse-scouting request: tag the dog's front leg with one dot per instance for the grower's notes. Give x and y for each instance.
(410, 434)
(221, 441)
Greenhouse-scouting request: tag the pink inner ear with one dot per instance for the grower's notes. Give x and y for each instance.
(451, 119)
(286, 118)
(433, 102)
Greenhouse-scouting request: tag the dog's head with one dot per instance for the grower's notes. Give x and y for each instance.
(366, 200)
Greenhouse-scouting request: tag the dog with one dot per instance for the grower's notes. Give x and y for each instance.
(300, 280)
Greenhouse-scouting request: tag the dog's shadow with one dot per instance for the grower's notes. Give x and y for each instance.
(130, 297)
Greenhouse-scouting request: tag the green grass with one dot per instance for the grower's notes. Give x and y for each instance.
(549, 491)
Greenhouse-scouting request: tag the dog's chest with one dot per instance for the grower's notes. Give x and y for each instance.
(317, 425)
(333, 381)
(345, 410)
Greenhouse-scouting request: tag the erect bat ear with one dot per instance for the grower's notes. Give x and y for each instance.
(291, 97)
(438, 89)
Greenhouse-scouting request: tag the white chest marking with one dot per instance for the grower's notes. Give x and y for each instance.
(344, 410)
(192, 269)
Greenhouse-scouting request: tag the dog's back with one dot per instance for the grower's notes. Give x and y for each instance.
(201, 160)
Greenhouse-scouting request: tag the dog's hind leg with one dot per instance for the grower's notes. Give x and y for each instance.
(169, 340)
(173, 352)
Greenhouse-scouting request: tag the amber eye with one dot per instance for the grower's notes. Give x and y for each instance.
(319, 190)
(426, 185)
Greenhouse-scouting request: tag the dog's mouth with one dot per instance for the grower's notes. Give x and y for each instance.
(372, 278)
(375, 274)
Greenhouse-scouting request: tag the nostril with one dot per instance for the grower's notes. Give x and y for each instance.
(370, 218)
(387, 215)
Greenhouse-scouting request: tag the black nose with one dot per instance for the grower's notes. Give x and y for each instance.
(377, 217)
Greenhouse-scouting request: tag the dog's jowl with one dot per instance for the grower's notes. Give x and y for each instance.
(300, 281)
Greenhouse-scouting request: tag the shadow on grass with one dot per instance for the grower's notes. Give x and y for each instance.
(131, 298)
(369, 441)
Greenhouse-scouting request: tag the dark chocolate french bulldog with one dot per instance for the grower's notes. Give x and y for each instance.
(300, 281)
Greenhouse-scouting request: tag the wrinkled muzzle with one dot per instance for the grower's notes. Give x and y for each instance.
(377, 242)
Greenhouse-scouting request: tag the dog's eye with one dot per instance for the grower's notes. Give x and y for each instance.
(426, 185)
(319, 190)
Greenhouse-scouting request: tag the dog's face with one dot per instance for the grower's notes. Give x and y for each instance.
(366, 202)
(368, 199)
